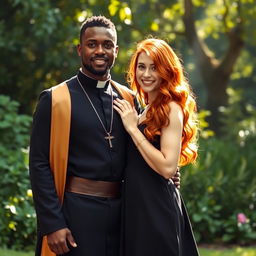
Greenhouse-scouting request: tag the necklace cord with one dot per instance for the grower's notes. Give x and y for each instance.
(96, 112)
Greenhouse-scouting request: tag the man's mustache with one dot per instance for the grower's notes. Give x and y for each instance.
(100, 57)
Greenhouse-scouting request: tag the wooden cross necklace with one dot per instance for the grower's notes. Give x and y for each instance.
(109, 137)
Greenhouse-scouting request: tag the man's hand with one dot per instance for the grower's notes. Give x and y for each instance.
(176, 178)
(57, 241)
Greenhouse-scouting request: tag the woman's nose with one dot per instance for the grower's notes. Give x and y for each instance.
(147, 72)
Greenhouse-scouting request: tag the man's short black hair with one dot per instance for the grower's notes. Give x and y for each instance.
(97, 21)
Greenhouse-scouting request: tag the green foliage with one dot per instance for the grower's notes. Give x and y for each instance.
(38, 39)
(17, 217)
(33, 37)
(238, 117)
(236, 251)
(15, 253)
(222, 184)
(37, 49)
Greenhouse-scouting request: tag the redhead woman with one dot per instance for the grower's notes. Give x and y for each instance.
(162, 138)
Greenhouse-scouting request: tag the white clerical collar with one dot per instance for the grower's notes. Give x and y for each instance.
(100, 84)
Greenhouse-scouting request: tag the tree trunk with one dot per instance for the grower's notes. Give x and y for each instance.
(215, 73)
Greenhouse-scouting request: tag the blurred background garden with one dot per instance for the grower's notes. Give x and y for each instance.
(216, 40)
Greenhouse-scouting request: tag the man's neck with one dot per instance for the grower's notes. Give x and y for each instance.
(105, 77)
(95, 82)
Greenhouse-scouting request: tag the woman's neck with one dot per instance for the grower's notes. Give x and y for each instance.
(151, 97)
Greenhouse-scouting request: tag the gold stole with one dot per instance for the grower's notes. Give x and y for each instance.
(59, 140)
(125, 92)
(59, 144)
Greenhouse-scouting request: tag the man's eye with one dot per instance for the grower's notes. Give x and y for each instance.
(91, 45)
(109, 45)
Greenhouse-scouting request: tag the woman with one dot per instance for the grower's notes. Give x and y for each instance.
(162, 138)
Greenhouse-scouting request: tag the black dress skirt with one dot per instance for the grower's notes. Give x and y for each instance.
(155, 221)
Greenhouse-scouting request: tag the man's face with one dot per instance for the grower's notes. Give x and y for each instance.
(98, 51)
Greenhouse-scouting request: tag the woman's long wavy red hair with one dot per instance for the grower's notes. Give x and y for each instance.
(174, 87)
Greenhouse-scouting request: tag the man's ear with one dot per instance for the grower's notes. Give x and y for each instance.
(116, 50)
(78, 48)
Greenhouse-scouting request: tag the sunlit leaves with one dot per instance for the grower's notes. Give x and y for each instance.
(242, 115)
(54, 27)
(212, 21)
(29, 193)
(244, 67)
(125, 14)
(92, 2)
(113, 7)
(172, 22)
(12, 225)
(204, 131)
(122, 8)
(81, 16)
(15, 197)
(135, 34)
(12, 208)
(172, 12)
(198, 3)
(168, 14)
(154, 25)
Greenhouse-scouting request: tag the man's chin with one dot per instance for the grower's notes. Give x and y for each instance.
(100, 72)
(97, 72)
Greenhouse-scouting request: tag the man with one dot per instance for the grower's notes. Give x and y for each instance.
(85, 220)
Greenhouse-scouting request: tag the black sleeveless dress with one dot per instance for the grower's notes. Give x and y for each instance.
(155, 221)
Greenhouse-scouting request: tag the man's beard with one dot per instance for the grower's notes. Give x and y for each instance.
(95, 72)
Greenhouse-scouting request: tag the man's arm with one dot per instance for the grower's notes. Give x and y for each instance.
(47, 205)
(51, 221)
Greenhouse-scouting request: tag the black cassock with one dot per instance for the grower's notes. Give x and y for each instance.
(155, 218)
(93, 221)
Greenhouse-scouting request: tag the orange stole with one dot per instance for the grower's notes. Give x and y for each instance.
(125, 92)
(59, 140)
(59, 144)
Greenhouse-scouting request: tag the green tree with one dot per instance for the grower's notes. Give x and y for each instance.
(216, 40)
(232, 19)
(35, 46)
(17, 216)
(218, 32)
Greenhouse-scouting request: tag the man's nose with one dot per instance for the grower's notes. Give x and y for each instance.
(100, 49)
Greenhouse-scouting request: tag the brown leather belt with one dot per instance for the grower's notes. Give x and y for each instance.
(93, 187)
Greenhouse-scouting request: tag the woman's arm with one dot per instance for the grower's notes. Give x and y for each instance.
(165, 160)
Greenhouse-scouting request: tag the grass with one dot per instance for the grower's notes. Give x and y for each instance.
(4, 252)
(238, 251)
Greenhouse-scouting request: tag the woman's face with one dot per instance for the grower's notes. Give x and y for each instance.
(147, 75)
